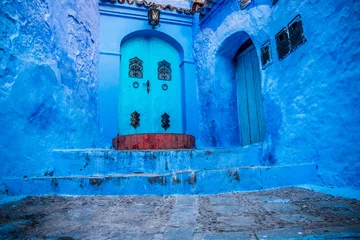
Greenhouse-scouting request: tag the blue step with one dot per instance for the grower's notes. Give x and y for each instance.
(212, 181)
(108, 162)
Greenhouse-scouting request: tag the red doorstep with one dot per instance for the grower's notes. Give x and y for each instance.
(153, 141)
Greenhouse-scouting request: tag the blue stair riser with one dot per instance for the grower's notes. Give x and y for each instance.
(100, 162)
(189, 182)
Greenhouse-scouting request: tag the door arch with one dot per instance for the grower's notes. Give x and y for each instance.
(249, 98)
(150, 85)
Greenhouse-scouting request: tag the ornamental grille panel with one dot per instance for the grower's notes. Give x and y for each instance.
(135, 119)
(165, 121)
(135, 68)
(164, 70)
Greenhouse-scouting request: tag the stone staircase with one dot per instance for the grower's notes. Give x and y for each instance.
(160, 172)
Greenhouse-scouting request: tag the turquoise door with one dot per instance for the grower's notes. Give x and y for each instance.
(150, 88)
(250, 104)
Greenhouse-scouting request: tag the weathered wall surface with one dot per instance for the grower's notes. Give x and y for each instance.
(311, 98)
(48, 81)
(177, 3)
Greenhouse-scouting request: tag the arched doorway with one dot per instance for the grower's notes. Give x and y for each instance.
(249, 98)
(150, 88)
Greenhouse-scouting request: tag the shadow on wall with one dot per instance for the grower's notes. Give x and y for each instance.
(273, 121)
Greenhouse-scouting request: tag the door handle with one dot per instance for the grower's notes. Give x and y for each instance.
(147, 86)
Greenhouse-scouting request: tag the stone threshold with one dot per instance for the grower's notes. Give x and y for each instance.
(153, 141)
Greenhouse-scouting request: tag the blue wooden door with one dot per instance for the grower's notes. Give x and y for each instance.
(150, 85)
(250, 104)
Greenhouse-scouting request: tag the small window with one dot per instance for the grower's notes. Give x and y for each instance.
(296, 33)
(266, 58)
(283, 43)
(135, 68)
(164, 70)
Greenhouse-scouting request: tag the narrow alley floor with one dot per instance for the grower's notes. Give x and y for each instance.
(274, 214)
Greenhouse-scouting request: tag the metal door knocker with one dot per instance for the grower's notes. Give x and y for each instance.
(164, 87)
(135, 84)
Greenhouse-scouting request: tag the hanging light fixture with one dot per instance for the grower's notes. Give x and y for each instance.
(197, 5)
(153, 17)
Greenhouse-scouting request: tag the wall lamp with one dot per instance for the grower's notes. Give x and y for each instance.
(153, 17)
(244, 4)
(197, 5)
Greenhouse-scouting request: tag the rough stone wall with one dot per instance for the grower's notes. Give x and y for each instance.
(311, 98)
(48, 81)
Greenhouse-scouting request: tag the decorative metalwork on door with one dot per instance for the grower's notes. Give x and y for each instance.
(135, 68)
(164, 70)
(135, 84)
(135, 119)
(165, 120)
(147, 84)
(164, 87)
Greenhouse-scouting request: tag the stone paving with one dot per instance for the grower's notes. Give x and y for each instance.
(285, 213)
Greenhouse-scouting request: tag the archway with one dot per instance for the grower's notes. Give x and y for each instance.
(228, 73)
(147, 33)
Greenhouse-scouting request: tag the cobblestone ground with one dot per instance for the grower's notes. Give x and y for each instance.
(275, 214)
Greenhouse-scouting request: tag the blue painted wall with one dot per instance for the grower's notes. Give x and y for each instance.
(48, 82)
(311, 98)
(49, 53)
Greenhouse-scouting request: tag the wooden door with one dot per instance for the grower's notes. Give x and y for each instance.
(250, 104)
(150, 85)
